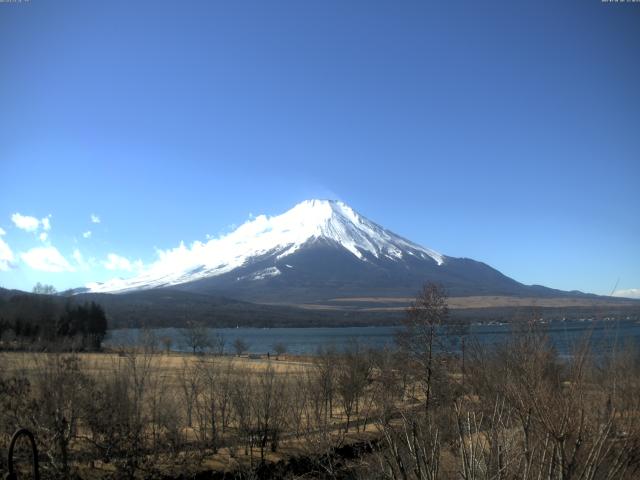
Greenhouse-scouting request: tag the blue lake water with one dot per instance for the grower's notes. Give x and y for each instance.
(564, 336)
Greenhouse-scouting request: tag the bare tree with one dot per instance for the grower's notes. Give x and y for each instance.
(241, 400)
(17, 409)
(190, 386)
(325, 363)
(224, 389)
(218, 344)
(44, 289)
(353, 376)
(280, 348)
(212, 404)
(148, 340)
(167, 343)
(196, 337)
(319, 436)
(388, 388)
(419, 337)
(240, 346)
(58, 390)
(269, 406)
(116, 414)
(299, 395)
(412, 449)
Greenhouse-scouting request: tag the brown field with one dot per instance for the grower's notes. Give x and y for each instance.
(180, 379)
(168, 365)
(514, 409)
(486, 302)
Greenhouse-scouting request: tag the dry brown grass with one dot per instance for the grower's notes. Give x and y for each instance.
(171, 368)
(492, 301)
(167, 363)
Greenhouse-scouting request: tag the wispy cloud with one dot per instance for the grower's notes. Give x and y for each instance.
(87, 234)
(628, 293)
(6, 255)
(43, 237)
(117, 262)
(95, 218)
(46, 259)
(77, 256)
(83, 263)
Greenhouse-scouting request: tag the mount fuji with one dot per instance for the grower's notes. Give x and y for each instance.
(319, 251)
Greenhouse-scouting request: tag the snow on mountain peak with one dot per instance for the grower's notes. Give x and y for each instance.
(281, 235)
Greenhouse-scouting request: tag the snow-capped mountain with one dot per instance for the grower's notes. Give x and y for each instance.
(279, 236)
(319, 249)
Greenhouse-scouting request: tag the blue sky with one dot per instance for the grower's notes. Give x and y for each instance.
(507, 132)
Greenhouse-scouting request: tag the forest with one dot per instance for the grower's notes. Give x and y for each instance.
(41, 321)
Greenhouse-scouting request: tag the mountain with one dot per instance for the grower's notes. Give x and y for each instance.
(319, 264)
(318, 251)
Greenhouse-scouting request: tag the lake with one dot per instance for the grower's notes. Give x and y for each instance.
(563, 334)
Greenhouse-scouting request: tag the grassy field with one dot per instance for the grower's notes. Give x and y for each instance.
(185, 388)
(167, 364)
(485, 301)
(510, 411)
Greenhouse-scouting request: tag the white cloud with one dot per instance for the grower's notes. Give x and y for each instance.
(46, 259)
(24, 222)
(6, 255)
(95, 218)
(79, 258)
(628, 293)
(83, 263)
(87, 234)
(32, 224)
(116, 262)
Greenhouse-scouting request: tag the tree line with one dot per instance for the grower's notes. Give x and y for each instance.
(43, 319)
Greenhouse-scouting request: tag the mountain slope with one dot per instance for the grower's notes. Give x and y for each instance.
(316, 251)
(276, 238)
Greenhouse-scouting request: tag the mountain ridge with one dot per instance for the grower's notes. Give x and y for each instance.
(317, 250)
(280, 236)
